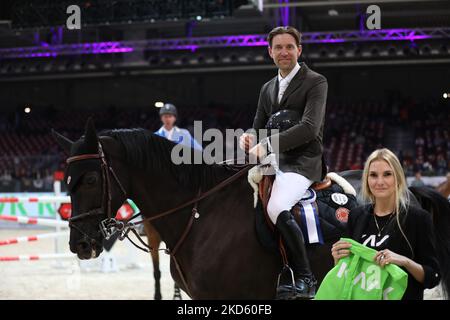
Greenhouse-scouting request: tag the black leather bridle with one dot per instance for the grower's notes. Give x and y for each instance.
(105, 208)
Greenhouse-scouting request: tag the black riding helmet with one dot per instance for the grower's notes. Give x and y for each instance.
(283, 120)
(168, 108)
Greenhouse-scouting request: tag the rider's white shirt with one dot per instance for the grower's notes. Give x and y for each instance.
(284, 82)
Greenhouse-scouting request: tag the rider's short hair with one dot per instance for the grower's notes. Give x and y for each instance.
(282, 30)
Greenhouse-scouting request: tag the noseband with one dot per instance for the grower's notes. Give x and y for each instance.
(106, 196)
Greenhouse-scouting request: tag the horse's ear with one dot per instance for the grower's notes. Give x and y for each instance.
(90, 135)
(63, 142)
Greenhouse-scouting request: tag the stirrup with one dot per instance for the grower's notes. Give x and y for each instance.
(287, 268)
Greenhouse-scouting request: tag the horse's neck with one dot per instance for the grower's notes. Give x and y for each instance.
(163, 193)
(155, 193)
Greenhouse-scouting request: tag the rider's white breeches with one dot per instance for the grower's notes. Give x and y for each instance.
(288, 188)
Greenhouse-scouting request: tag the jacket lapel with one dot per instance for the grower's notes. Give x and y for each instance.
(274, 94)
(295, 82)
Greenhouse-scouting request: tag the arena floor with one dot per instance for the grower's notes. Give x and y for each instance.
(47, 279)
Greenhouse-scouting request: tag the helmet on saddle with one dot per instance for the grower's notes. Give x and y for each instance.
(283, 120)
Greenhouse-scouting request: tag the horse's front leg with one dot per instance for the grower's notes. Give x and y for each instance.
(154, 240)
(177, 293)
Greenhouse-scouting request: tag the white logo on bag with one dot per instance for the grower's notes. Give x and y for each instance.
(339, 198)
(368, 280)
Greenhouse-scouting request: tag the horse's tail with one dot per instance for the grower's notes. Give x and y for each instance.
(439, 207)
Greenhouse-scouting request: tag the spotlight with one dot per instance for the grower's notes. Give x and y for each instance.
(27, 110)
(259, 58)
(210, 60)
(226, 59)
(178, 61)
(333, 12)
(159, 104)
(445, 95)
(349, 53)
(243, 59)
(193, 61)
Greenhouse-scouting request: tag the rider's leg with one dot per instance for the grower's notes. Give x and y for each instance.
(287, 190)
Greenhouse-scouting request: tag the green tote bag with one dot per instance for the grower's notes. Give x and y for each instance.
(358, 277)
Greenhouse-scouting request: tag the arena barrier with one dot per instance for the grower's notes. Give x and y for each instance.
(38, 257)
(107, 261)
(61, 227)
(32, 238)
(36, 221)
(42, 199)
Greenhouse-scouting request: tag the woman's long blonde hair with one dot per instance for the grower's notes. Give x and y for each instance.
(401, 190)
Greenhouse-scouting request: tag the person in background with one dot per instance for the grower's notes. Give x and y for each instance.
(168, 115)
(418, 182)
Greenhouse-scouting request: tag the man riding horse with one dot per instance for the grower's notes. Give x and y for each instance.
(293, 102)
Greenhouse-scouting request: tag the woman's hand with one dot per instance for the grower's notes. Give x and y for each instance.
(340, 250)
(384, 257)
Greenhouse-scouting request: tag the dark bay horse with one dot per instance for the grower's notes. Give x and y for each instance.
(220, 258)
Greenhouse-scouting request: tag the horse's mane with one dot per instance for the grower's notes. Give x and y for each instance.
(148, 151)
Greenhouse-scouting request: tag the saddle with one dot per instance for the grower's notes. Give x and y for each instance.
(322, 215)
(265, 187)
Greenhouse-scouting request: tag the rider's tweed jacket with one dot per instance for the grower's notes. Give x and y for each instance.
(300, 147)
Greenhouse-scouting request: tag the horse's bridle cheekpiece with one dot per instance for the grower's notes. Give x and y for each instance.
(105, 208)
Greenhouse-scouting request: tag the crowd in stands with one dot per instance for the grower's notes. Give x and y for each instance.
(29, 154)
(432, 143)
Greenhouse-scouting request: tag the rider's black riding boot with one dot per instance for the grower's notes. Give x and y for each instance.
(305, 283)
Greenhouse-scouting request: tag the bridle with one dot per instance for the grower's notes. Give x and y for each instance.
(106, 196)
(110, 226)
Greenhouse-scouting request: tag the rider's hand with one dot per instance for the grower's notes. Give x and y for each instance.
(340, 250)
(246, 141)
(258, 151)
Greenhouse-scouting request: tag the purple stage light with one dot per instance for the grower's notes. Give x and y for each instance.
(284, 12)
(195, 43)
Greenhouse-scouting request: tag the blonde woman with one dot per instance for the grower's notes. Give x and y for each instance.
(401, 233)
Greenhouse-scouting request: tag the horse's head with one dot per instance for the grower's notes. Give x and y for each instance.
(95, 189)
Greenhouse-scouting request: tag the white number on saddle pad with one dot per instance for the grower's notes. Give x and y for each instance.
(339, 198)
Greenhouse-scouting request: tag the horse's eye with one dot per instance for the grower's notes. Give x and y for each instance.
(91, 179)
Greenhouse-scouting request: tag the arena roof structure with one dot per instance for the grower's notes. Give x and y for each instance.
(158, 35)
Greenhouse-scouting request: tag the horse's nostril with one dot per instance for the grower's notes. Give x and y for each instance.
(83, 245)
